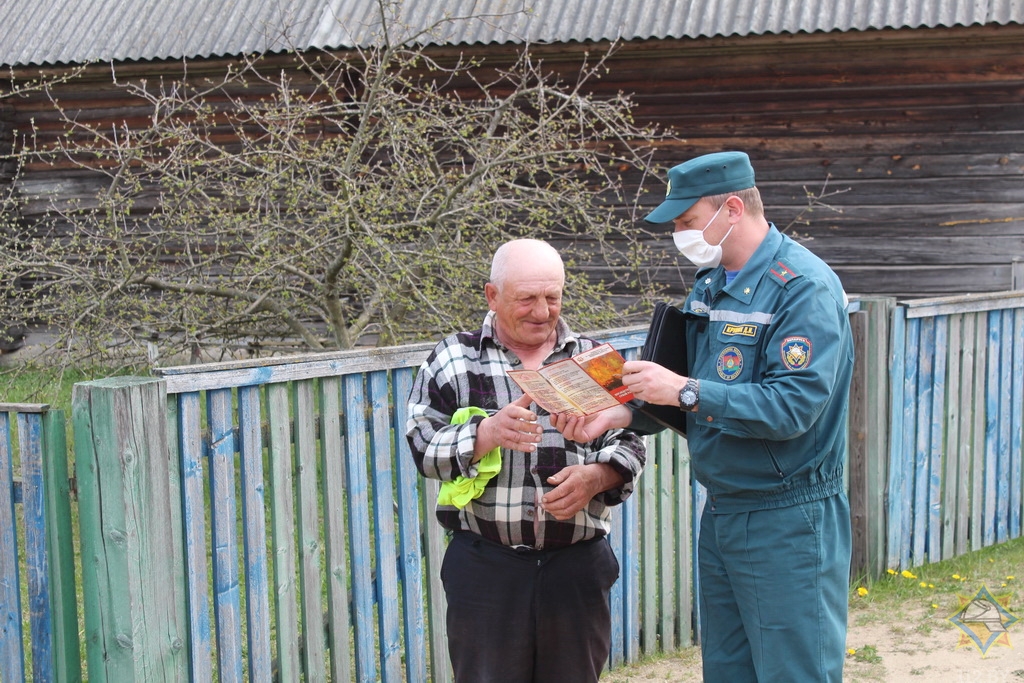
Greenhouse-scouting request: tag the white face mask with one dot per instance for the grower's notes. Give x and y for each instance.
(691, 244)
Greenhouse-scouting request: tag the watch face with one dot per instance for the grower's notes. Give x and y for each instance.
(688, 398)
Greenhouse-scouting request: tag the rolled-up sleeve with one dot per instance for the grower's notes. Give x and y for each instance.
(624, 451)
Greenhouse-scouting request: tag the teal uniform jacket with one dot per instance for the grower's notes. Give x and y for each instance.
(774, 355)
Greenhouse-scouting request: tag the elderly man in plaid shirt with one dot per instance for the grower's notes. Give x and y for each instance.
(528, 568)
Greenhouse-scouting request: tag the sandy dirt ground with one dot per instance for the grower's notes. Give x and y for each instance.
(892, 646)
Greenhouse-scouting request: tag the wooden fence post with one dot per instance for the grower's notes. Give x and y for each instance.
(135, 627)
(857, 465)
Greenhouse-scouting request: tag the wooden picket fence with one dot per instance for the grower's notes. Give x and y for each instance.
(955, 440)
(262, 520)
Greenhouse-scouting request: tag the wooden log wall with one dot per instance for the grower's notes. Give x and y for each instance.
(6, 143)
(920, 133)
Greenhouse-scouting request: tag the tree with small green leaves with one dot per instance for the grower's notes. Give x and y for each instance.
(353, 198)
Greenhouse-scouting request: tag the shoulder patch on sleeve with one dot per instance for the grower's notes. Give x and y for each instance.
(782, 274)
(796, 352)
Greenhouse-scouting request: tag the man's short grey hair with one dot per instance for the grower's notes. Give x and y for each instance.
(502, 260)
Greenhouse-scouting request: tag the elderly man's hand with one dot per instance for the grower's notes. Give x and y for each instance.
(588, 428)
(514, 427)
(575, 486)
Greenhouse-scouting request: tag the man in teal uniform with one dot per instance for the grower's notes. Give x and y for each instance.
(771, 357)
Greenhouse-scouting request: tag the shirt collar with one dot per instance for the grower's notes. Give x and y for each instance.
(745, 284)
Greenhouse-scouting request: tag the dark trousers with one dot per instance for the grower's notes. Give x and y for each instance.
(522, 616)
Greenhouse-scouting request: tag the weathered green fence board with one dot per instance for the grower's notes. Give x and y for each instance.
(665, 457)
(332, 463)
(282, 515)
(647, 489)
(133, 628)
(308, 511)
(67, 665)
(684, 551)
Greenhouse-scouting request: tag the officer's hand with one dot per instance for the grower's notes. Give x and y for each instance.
(514, 427)
(588, 428)
(652, 383)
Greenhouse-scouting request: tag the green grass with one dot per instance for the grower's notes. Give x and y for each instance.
(998, 567)
(51, 385)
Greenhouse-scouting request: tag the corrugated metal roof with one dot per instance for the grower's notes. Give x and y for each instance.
(40, 32)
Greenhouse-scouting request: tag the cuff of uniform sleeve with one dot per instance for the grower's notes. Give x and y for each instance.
(712, 401)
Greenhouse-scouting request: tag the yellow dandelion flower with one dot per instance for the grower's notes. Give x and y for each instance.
(1010, 577)
(931, 585)
(891, 571)
(851, 651)
(934, 606)
(906, 574)
(991, 560)
(1004, 584)
(956, 576)
(923, 584)
(862, 591)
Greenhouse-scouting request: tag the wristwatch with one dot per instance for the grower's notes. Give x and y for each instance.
(689, 395)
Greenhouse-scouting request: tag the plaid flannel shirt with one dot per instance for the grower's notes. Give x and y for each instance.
(471, 369)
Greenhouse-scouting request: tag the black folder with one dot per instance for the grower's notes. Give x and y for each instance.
(666, 346)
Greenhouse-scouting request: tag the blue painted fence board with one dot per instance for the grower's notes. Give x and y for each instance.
(224, 540)
(30, 429)
(12, 655)
(936, 445)
(358, 490)
(409, 523)
(925, 338)
(1006, 381)
(190, 448)
(911, 535)
(1017, 424)
(897, 497)
(991, 430)
(386, 560)
(254, 529)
